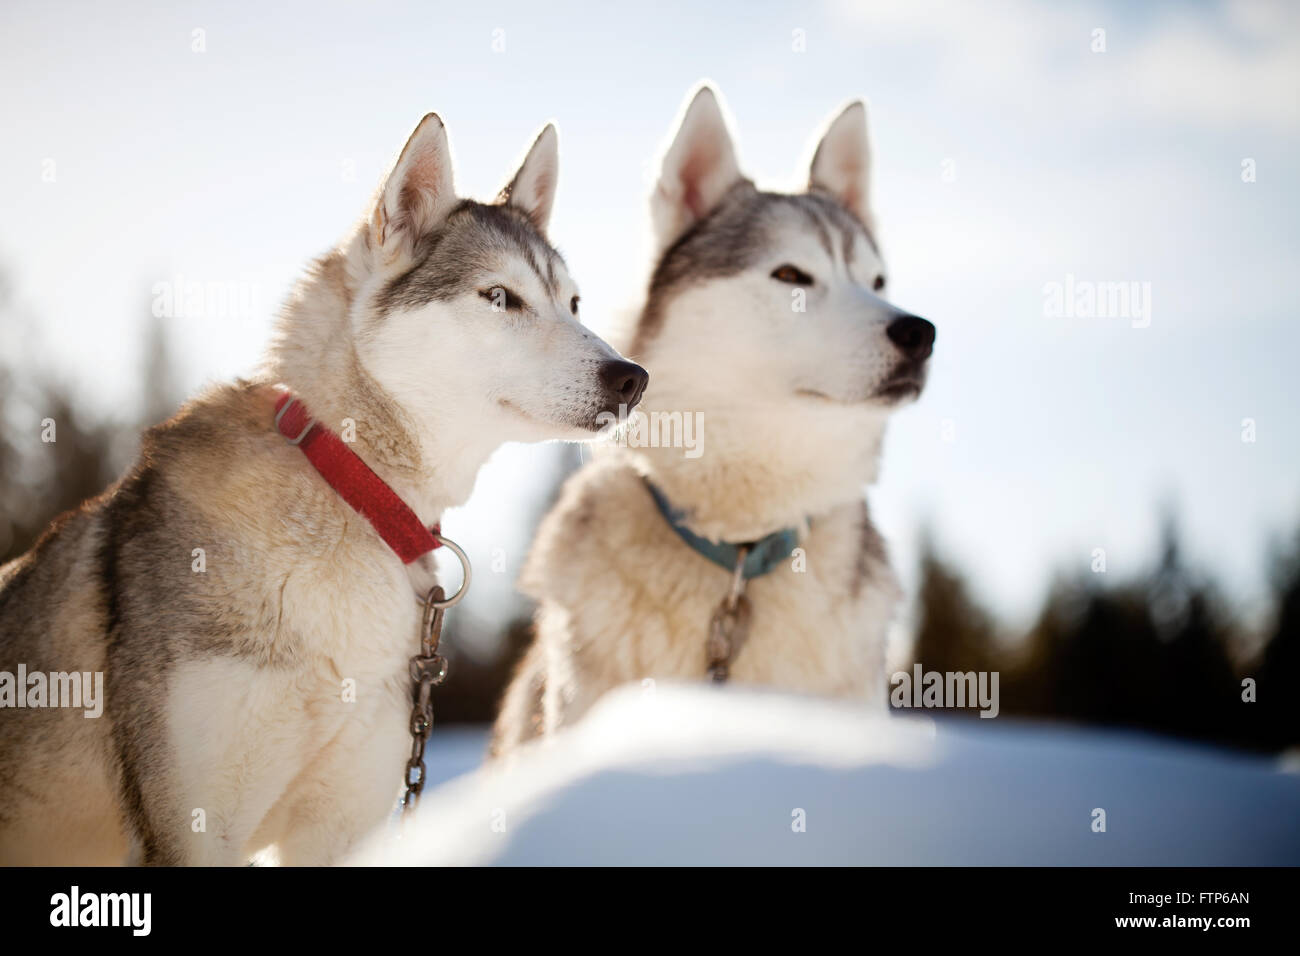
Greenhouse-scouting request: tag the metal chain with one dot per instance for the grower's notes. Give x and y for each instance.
(730, 624)
(428, 669)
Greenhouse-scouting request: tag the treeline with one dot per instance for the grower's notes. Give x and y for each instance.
(1160, 653)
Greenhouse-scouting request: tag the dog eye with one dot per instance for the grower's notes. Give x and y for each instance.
(502, 299)
(790, 274)
(573, 305)
(879, 283)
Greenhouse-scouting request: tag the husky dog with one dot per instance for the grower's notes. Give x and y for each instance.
(253, 631)
(766, 317)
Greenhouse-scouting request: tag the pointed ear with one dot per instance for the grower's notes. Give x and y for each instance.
(533, 188)
(699, 167)
(418, 193)
(842, 164)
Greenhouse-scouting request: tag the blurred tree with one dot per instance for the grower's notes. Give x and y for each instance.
(162, 394)
(473, 689)
(1152, 654)
(1274, 719)
(39, 479)
(955, 634)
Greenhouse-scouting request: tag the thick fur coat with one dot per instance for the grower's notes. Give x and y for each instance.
(253, 631)
(765, 317)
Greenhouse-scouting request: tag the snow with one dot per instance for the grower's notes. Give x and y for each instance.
(704, 775)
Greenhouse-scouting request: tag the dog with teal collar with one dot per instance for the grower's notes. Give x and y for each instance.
(757, 560)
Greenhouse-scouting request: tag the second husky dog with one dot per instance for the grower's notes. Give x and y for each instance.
(766, 317)
(251, 629)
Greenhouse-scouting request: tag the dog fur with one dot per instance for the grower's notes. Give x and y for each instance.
(440, 328)
(794, 405)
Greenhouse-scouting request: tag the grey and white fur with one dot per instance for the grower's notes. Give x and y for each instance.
(439, 328)
(766, 314)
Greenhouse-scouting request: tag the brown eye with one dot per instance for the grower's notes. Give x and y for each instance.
(879, 283)
(573, 305)
(792, 275)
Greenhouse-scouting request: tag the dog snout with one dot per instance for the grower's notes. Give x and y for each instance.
(623, 383)
(913, 335)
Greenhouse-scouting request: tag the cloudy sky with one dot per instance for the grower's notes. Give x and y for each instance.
(1016, 146)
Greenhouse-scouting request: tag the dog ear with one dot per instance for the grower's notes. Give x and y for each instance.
(418, 193)
(533, 188)
(842, 163)
(698, 169)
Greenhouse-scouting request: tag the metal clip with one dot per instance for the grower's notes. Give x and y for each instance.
(729, 625)
(443, 601)
(311, 422)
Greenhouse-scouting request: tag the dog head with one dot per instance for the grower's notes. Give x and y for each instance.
(783, 290)
(465, 309)
(767, 311)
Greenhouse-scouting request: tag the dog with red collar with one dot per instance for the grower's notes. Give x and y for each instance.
(251, 591)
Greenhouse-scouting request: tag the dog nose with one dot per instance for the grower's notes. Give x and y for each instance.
(624, 382)
(913, 335)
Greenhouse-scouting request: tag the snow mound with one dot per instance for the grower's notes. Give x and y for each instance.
(704, 775)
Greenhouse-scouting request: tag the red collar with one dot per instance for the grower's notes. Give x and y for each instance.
(347, 474)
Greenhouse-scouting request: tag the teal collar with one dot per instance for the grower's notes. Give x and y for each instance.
(764, 554)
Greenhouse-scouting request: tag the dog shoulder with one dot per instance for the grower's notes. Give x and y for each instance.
(34, 586)
(223, 419)
(602, 512)
(222, 459)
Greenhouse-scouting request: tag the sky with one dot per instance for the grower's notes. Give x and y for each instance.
(1015, 148)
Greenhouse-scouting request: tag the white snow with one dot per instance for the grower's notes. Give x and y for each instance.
(704, 775)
